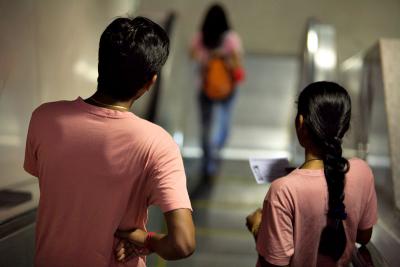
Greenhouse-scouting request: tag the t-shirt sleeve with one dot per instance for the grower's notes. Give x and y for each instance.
(197, 48)
(233, 43)
(167, 182)
(369, 216)
(275, 237)
(30, 162)
(195, 43)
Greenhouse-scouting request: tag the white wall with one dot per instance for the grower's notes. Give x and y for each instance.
(48, 51)
(278, 26)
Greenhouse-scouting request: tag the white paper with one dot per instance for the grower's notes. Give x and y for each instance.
(265, 170)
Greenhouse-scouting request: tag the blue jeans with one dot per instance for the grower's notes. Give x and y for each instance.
(215, 127)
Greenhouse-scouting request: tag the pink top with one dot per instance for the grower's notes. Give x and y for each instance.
(294, 214)
(230, 44)
(99, 170)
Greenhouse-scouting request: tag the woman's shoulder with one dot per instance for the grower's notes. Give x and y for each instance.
(283, 190)
(357, 165)
(299, 181)
(284, 184)
(360, 174)
(197, 39)
(232, 41)
(232, 35)
(356, 160)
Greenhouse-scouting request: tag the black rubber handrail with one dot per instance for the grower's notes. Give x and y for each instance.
(151, 114)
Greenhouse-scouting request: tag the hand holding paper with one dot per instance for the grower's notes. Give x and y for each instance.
(268, 169)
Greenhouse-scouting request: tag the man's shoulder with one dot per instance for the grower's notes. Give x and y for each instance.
(155, 134)
(51, 106)
(151, 126)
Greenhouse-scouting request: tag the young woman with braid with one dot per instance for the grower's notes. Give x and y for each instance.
(316, 214)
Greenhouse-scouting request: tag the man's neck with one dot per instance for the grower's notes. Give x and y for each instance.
(102, 100)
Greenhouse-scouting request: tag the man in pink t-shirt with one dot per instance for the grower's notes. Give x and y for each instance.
(100, 167)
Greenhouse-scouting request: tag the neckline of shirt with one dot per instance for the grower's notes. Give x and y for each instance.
(310, 172)
(318, 172)
(103, 112)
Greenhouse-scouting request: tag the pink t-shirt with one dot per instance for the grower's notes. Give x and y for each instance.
(294, 215)
(99, 170)
(231, 44)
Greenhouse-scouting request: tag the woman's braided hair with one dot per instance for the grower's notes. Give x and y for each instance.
(326, 109)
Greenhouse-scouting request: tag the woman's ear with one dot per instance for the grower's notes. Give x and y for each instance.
(299, 122)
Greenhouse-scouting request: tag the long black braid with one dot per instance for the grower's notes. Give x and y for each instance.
(326, 109)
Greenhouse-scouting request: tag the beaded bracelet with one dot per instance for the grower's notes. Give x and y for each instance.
(147, 241)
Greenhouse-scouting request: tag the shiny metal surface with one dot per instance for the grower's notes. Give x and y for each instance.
(319, 55)
(373, 82)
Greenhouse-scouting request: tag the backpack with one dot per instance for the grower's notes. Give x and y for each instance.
(217, 80)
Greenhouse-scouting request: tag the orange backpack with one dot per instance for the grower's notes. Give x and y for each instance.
(217, 80)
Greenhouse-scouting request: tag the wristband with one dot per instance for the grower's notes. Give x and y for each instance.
(147, 241)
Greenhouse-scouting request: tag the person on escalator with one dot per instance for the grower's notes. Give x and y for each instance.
(100, 166)
(316, 214)
(218, 51)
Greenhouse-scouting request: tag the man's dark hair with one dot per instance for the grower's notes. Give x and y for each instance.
(131, 52)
